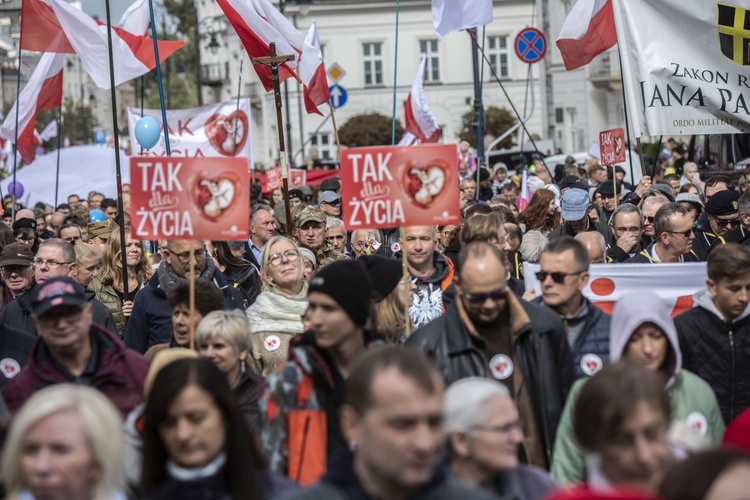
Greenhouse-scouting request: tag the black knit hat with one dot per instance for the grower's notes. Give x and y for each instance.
(385, 274)
(348, 283)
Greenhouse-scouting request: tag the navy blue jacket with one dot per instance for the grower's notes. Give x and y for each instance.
(151, 321)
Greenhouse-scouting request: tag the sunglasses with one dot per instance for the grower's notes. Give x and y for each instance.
(650, 220)
(684, 234)
(556, 277)
(734, 223)
(480, 298)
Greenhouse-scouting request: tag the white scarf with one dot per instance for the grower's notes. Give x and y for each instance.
(274, 311)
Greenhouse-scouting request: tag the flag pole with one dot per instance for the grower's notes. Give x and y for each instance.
(59, 137)
(627, 121)
(237, 111)
(407, 317)
(116, 134)
(395, 81)
(335, 131)
(15, 144)
(158, 78)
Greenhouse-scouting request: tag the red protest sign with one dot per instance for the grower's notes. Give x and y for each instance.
(612, 146)
(273, 181)
(189, 198)
(386, 187)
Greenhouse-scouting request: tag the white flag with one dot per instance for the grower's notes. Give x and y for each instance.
(137, 18)
(456, 15)
(49, 131)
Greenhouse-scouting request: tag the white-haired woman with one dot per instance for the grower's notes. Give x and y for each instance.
(224, 338)
(483, 432)
(276, 315)
(66, 442)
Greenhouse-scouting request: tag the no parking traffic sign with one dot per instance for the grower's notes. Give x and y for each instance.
(530, 45)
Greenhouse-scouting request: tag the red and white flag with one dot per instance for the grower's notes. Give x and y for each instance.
(456, 15)
(588, 31)
(523, 199)
(419, 119)
(49, 131)
(312, 71)
(408, 139)
(43, 91)
(57, 26)
(280, 23)
(256, 34)
(137, 18)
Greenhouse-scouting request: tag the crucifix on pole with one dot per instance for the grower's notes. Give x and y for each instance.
(274, 61)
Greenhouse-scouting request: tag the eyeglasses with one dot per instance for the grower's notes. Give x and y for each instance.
(21, 239)
(70, 315)
(733, 223)
(291, 256)
(556, 277)
(481, 298)
(8, 270)
(650, 220)
(684, 234)
(501, 429)
(334, 203)
(52, 264)
(184, 257)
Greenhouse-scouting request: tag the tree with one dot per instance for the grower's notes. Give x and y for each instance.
(369, 129)
(497, 121)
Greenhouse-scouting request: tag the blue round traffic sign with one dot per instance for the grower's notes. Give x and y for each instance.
(531, 45)
(338, 95)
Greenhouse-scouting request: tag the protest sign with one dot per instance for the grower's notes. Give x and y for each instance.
(218, 130)
(272, 179)
(189, 198)
(612, 146)
(393, 186)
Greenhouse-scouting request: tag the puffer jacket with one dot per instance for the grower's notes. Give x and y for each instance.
(104, 293)
(718, 351)
(694, 404)
(591, 347)
(540, 347)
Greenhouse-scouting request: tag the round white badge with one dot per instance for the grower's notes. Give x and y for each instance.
(272, 343)
(395, 247)
(697, 421)
(9, 367)
(501, 366)
(591, 363)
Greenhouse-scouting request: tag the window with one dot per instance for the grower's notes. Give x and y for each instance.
(429, 48)
(372, 56)
(498, 53)
(322, 142)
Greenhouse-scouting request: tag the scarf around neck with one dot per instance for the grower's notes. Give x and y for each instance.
(168, 279)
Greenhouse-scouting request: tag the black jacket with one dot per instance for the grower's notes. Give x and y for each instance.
(541, 349)
(566, 230)
(718, 352)
(644, 257)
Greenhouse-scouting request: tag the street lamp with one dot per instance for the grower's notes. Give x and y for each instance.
(213, 45)
(207, 27)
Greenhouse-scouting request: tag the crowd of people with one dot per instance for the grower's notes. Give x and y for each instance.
(315, 361)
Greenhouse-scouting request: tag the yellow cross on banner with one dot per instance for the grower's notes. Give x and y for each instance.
(734, 37)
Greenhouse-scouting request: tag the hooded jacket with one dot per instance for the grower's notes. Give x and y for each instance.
(693, 401)
(718, 351)
(428, 296)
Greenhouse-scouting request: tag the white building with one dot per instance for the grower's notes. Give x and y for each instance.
(360, 36)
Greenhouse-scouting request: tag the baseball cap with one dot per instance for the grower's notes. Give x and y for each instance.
(310, 214)
(723, 203)
(327, 197)
(16, 254)
(574, 205)
(101, 229)
(57, 292)
(330, 185)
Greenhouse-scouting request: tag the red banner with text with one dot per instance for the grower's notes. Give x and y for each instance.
(177, 198)
(393, 186)
(612, 146)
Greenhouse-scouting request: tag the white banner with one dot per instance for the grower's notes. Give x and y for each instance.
(213, 130)
(675, 283)
(685, 65)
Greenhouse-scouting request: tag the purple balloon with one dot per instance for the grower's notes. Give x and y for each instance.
(15, 188)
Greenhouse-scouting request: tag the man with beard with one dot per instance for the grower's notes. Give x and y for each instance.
(489, 332)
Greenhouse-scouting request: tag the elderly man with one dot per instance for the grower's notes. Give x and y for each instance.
(673, 228)
(649, 209)
(312, 232)
(575, 205)
(336, 234)
(262, 229)
(17, 268)
(627, 228)
(723, 217)
(365, 242)
(151, 320)
(73, 349)
(595, 246)
(330, 203)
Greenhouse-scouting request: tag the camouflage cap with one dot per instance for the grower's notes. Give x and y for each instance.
(102, 229)
(310, 214)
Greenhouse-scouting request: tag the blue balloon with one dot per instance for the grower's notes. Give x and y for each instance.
(147, 132)
(15, 188)
(96, 215)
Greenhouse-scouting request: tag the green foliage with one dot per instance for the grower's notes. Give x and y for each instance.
(496, 122)
(369, 129)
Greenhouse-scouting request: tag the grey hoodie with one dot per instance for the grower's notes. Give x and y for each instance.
(704, 299)
(630, 312)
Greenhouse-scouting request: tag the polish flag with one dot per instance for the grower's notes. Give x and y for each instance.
(57, 26)
(409, 139)
(137, 18)
(280, 23)
(456, 15)
(588, 31)
(523, 199)
(256, 34)
(419, 119)
(49, 131)
(43, 91)
(313, 72)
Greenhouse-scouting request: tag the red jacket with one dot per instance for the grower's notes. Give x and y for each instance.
(120, 373)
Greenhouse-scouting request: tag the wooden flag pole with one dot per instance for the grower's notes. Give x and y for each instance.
(274, 61)
(614, 184)
(335, 131)
(191, 294)
(407, 318)
(59, 144)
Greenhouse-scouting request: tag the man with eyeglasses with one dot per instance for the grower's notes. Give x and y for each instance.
(627, 228)
(312, 232)
(674, 236)
(330, 203)
(55, 258)
(723, 216)
(74, 349)
(151, 320)
(489, 332)
(649, 208)
(563, 275)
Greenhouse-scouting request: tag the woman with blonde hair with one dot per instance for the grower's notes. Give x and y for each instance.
(276, 315)
(66, 442)
(108, 285)
(87, 264)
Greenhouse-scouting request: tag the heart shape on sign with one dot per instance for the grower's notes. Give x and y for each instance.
(426, 183)
(272, 342)
(592, 365)
(227, 133)
(216, 194)
(9, 368)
